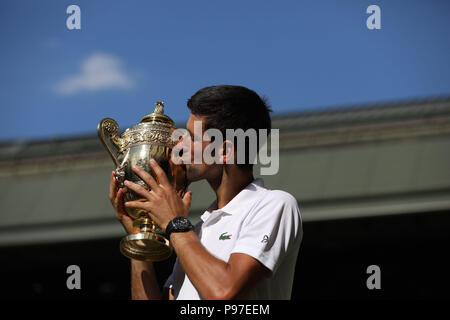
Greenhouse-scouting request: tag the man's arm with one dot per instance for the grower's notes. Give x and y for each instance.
(143, 280)
(212, 277)
(144, 285)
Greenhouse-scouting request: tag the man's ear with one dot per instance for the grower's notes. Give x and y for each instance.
(228, 152)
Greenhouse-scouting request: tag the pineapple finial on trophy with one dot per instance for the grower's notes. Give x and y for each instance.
(158, 115)
(159, 107)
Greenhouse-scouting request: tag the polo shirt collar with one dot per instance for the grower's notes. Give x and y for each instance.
(242, 200)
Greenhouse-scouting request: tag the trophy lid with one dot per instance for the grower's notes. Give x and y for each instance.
(158, 115)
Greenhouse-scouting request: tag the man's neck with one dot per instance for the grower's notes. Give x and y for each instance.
(230, 184)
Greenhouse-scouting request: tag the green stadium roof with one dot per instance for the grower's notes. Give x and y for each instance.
(357, 161)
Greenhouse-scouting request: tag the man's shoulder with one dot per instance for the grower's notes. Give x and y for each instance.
(279, 197)
(274, 204)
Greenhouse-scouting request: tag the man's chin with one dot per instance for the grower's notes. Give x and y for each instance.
(192, 174)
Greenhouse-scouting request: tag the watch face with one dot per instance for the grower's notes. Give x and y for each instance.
(182, 223)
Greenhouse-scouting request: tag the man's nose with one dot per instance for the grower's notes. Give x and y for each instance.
(182, 146)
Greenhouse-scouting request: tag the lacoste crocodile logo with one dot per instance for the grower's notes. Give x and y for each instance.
(225, 236)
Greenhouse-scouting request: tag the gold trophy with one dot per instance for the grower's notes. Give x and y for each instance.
(151, 138)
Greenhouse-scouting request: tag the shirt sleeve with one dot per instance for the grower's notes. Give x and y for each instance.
(272, 229)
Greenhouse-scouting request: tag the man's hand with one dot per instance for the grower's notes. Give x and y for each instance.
(163, 203)
(116, 198)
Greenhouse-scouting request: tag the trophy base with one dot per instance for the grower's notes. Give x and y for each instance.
(145, 246)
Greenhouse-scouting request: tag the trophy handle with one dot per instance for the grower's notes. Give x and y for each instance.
(109, 128)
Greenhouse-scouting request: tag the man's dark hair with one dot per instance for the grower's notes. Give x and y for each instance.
(232, 107)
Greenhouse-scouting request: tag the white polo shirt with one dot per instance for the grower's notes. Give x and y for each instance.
(262, 223)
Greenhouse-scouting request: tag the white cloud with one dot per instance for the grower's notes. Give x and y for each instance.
(98, 71)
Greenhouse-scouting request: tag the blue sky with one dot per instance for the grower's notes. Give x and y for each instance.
(128, 54)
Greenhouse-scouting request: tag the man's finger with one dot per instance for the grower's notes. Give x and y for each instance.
(144, 205)
(138, 189)
(118, 201)
(160, 174)
(147, 206)
(146, 177)
(187, 199)
(112, 187)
